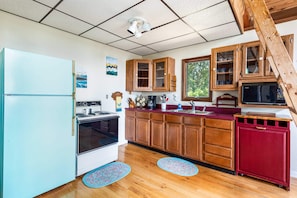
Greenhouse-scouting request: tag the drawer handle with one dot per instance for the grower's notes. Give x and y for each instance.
(260, 128)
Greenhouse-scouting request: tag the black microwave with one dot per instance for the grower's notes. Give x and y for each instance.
(266, 93)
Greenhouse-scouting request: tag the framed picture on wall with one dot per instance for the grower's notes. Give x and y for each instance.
(111, 66)
(81, 80)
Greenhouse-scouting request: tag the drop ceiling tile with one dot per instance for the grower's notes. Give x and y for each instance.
(186, 40)
(95, 11)
(124, 44)
(175, 29)
(186, 7)
(224, 31)
(25, 8)
(142, 51)
(100, 35)
(214, 16)
(153, 11)
(64, 22)
(50, 3)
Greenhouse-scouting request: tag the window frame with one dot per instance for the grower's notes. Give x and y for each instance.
(184, 79)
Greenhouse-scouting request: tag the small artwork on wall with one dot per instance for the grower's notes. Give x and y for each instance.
(111, 66)
(81, 80)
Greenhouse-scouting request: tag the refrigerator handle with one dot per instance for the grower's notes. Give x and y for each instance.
(73, 99)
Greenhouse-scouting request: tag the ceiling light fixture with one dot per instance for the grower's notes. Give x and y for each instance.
(138, 25)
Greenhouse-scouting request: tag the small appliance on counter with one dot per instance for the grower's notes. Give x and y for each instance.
(151, 102)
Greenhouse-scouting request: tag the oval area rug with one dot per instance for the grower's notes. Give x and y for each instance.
(178, 166)
(106, 174)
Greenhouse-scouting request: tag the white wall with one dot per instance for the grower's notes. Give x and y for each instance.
(89, 57)
(205, 49)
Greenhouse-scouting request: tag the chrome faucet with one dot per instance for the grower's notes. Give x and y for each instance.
(204, 108)
(193, 105)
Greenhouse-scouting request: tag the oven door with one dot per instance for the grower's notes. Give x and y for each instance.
(94, 133)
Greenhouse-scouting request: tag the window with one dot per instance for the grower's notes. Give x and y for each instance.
(196, 79)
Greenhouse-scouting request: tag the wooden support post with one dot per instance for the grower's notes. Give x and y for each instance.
(280, 59)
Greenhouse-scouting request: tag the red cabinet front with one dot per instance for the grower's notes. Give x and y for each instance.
(263, 152)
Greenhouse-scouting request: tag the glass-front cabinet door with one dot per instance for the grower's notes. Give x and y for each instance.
(138, 75)
(160, 68)
(163, 70)
(224, 73)
(143, 75)
(252, 60)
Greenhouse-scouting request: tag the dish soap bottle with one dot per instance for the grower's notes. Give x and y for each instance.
(179, 106)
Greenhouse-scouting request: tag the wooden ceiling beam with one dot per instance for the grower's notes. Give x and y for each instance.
(280, 10)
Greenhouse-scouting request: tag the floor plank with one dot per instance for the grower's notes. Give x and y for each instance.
(147, 180)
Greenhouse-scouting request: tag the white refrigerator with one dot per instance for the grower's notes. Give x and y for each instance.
(37, 134)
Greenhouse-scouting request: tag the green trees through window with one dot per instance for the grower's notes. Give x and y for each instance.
(196, 79)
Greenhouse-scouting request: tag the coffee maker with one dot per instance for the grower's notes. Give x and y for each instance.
(151, 102)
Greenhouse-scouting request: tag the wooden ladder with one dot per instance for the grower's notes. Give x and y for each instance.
(277, 54)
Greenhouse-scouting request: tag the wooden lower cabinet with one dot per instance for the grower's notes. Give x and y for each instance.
(208, 140)
(130, 125)
(142, 128)
(157, 131)
(219, 143)
(192, 137)
(173, 134)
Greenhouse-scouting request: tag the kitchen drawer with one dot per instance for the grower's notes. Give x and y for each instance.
(219, 161)
(130, 113)
(173, 118)
(217, 123)
(157, 116)
(145, 115)
(217, 150)
(193, 120)
(218, 137)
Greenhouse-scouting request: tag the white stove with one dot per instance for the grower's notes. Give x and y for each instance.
(97, 136)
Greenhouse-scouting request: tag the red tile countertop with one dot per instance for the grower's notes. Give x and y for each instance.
(216, 112)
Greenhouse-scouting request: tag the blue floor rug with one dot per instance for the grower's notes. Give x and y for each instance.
(178, 166)
(106, 174)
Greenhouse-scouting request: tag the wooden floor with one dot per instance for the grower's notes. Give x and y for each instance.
(148, 181)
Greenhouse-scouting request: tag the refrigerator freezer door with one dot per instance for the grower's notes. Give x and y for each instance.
(39, 147)
(27, 73)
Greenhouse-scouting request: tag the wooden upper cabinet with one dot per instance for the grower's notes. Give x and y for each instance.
(255, 61)
(147, 75)
(224, 67)
(164, 74)
(252, 60)
(138, 75)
